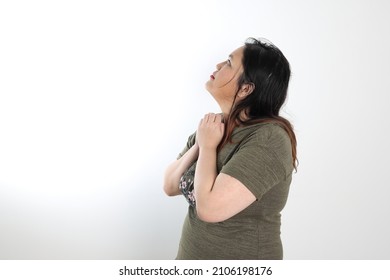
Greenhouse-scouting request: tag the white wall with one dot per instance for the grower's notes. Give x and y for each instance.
(97, 97)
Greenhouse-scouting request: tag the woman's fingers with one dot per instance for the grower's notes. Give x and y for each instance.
(210, 130)
(218, 118)
(211, 117)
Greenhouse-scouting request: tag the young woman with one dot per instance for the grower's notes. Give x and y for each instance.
(235, 171)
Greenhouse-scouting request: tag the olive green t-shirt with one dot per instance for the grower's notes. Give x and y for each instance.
(260, 157)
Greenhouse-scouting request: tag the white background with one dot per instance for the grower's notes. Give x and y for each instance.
(97, 97)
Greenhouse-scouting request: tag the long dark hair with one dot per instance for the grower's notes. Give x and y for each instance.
(268, 71)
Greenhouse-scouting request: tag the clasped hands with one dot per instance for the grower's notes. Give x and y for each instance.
(210, 131)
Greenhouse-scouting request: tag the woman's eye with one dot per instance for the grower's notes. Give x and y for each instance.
(228, 62)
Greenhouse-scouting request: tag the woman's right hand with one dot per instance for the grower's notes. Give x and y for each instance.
(210, 131)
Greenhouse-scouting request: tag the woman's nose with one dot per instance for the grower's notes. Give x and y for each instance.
(219, 65)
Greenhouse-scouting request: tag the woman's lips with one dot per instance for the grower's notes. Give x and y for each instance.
(212, 77)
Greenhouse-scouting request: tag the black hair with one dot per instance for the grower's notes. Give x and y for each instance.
(267, 70)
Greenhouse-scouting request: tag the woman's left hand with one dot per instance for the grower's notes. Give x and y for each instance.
(210, 131)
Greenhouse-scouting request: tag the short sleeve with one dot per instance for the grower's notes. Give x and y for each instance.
(260, 161)
(190, 143)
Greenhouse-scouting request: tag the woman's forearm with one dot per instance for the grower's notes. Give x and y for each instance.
(177, 168)
(205, 175)
(209, 135)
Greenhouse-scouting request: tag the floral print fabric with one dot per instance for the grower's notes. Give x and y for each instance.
(186, 185)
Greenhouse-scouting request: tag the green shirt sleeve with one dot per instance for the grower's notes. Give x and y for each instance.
(190, 143)
(262, 160)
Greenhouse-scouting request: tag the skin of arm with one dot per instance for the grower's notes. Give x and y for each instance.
(218, 196)
(176, 169)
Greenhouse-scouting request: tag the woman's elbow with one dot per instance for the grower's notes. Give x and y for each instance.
(170, 190)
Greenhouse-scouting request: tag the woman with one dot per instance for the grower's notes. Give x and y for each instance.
(235, 171)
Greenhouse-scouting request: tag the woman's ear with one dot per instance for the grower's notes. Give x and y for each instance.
(246, 89)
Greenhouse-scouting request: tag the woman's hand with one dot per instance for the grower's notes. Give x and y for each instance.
(210, 131)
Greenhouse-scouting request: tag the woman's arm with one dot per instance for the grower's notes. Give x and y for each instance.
(177, 168)
(218, 196)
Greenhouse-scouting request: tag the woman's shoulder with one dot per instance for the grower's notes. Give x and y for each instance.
(269, 133)
(273, 138)
(267, 142)
(276, 141)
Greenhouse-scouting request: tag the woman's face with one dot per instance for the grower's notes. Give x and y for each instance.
(223, 82)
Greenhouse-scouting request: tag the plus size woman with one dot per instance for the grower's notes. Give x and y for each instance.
(236, 169)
